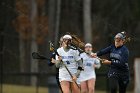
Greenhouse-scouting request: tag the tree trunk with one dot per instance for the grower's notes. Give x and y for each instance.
(53, 29)
(34, 47)
(24, 44)
(51, 19)
(57, 23)
(22, 52)
(87, 21)
(1, 60)
(51, 23)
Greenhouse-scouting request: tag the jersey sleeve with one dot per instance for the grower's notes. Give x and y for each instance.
(104, 51)
(56, 57)
(81, 55)
(53, 55)
(97, 63)
(77, 55)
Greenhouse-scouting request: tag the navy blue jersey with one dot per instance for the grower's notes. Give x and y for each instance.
(118, 58)
(52, 55)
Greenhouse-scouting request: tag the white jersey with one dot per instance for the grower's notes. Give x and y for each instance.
(69, 58)
(89, 70)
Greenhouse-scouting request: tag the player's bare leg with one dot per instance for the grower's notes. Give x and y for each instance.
(91, 85)
(84, 87)
(65, 86)
(75, 88)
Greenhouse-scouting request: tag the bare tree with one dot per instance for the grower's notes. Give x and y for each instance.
(34, 47)
(23, 27)
(58, 12)
(31, 23)
(51, 20)
(87, 20)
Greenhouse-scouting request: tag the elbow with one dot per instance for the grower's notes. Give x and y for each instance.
(97, 66)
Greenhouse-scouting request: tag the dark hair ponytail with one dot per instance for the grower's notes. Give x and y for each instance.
(126, 38)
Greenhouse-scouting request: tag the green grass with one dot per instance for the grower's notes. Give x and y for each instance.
(29, 89)
(22, 89)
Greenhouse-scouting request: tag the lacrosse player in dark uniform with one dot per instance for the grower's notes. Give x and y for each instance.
(119, 70)
(50, 63)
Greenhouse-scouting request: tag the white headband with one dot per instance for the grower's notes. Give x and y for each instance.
(88, 45)
(67, 37)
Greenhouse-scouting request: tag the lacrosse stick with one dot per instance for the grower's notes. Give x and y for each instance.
(36, 55)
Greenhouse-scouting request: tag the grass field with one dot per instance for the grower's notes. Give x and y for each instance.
(23, 89)
(29, 89)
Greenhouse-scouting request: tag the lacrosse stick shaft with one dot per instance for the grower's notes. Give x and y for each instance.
(71, 75)
(68, 70)
(36, 55)
(100, 59)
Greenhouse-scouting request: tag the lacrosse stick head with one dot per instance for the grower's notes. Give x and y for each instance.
(35, 55)
(51, 46)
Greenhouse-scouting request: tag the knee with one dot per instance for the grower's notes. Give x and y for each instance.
(91, 90)
(65, 91)
(84, 91)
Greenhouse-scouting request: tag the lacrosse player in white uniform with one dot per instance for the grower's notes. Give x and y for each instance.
(87, 77)
(72, 60)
